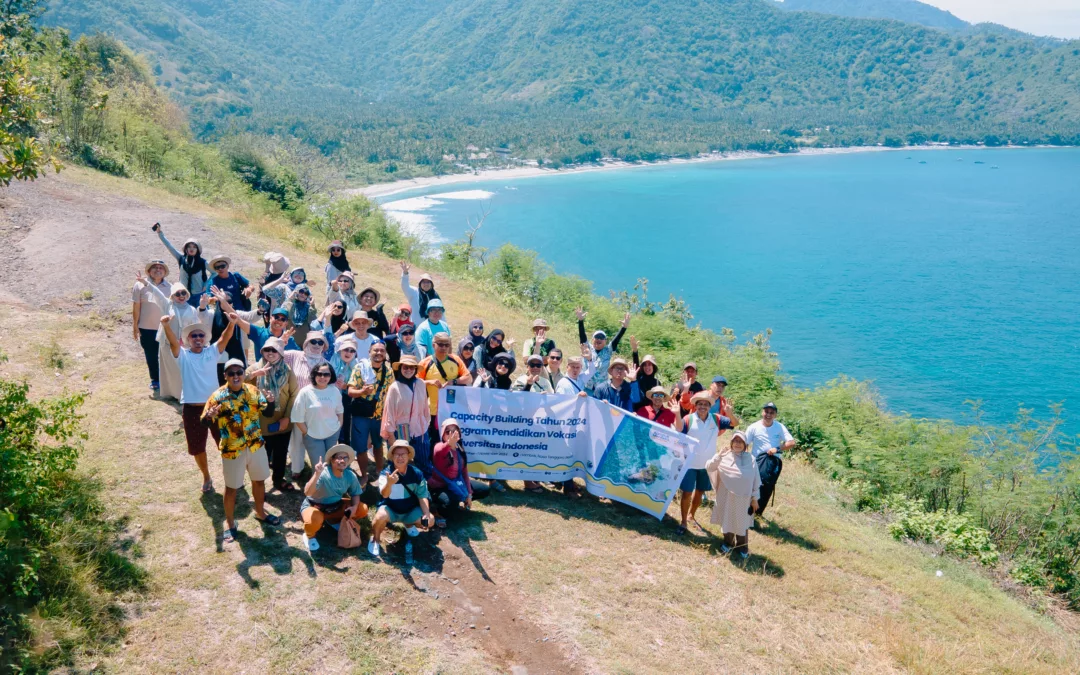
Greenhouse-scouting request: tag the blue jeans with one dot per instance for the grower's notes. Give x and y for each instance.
(364, 428)
(317, 447)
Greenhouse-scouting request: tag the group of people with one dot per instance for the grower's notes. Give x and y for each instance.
(330, 389)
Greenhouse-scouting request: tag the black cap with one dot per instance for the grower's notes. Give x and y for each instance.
(719, 379)
(407, 329)
(770, 404)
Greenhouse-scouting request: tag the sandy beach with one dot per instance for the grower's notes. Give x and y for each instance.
(395, 187)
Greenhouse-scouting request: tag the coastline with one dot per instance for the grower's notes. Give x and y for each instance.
(395, 187)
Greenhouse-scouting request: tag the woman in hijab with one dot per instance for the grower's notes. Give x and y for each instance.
(182, 315)
(272, 373)
(344, 289)
(337, 264)
(406, 414)
(420, 295)
(343, 361)
(301, 311)
(493, 345)
(369, 302)
(194, 270)
(734, 473)
(302, 363)
(466, 351)
(281, 290)
(499, 377)
(476, 332)
(402, 318)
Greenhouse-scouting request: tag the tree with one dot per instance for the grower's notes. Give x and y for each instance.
(22, 156)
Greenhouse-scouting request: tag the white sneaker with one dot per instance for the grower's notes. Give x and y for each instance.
(412, 531)
(311, 545)
(373, 548)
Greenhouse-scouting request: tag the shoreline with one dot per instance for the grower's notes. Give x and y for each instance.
(395, 187)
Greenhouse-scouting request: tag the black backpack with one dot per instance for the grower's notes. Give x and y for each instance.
(769, 468)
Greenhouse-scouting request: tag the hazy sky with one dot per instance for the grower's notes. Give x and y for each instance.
(1060, 18)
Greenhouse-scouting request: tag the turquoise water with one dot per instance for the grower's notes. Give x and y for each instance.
(940, 281)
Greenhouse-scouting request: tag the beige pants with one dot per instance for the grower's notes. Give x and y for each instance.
(314, 518)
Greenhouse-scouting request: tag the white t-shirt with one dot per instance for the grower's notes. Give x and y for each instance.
(706, 432)
(363, 347)
(198, 374)
(318, 409)
(761, 437)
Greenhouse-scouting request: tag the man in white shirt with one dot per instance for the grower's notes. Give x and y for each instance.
(768, 438)
(578, 374)
(198, 374)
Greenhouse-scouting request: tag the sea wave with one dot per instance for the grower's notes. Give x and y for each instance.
(408, 212)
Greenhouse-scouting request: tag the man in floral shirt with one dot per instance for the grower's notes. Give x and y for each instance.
(235, 409)
(367, 388)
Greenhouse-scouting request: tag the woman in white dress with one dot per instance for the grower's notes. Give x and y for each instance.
(183, 315)
(735, 474)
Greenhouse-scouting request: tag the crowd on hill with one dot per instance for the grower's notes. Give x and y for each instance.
(314, 400)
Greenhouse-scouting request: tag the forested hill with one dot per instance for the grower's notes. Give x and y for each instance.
(414, 79)
(910, 11)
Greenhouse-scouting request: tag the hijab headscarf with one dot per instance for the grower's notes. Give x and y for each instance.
(645, 381)
(314, 353)
(299, 311)
(279, 372)
(426, 296)
(407, 381)
(342, 263)
(737, 469)
(182, 313)
(477, 340)
(470, 362)
(336, 320)
(491, 352)
(194, 265)
(503, 381)
(341, 368)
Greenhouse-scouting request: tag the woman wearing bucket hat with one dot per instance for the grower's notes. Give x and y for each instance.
(148, 305)
(233, 284)
(337, 264)
(331, 495)
(503, 366)
(450, 485)
(420, 295)
(183, 315)
(738, 489)
(648, 370)
(194, 269)
(404, 500)
(271, 373)
(343, 288)
(406, 414)
(704, 427)
(369, 302)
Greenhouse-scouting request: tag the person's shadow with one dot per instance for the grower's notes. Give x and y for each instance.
(776, 531)
(272, 550)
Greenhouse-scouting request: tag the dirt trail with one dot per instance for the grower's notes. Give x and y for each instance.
(71, 249)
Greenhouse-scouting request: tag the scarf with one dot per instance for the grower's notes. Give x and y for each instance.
(182, 315)
(470, 362)
(194, 265)
(341, 264)
(407, 381)
(491, 352)
(299, 311)
(647, 382)
(737, 471)
(409, 350)
(293, 285)
(476, 340)
(425, 298)
(276, 378)
(313, 354)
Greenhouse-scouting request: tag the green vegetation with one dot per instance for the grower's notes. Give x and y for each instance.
(396, 89)
(910, 11)
(64, 562)
(22, 155)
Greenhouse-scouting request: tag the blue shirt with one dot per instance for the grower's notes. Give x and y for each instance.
(233, 285)
(259, 335)
(627, 397)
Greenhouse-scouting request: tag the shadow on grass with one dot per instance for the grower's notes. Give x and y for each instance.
(273, 551)
(463, 528)
(777, 531)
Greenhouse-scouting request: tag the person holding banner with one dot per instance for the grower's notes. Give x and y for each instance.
(503, 366)
(405, 498)
(619, 390)
(533, 380)
(578, 373)
(661, 409)
(450, 485)
(704, 427)
(406, 413)
(738, 488)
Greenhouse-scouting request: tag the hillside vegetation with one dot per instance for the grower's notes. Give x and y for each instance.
(910, 11)
(407, 86)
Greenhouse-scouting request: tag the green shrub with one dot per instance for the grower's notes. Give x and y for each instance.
(360, 222)
(957, 534)
(62, 561)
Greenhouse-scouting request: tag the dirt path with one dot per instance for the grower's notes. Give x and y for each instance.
(73, 250)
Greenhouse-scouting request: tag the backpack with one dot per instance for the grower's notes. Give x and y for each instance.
(769, 468)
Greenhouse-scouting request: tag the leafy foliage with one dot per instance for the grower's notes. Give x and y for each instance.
(22, 155)
(62, 562)
(910, 11)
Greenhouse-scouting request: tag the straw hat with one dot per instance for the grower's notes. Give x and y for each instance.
(401, 444)
(617, 361)
(186, 330)
(220, 258)
(649, 359)
(701, 396)
(157, 262)
(335, 244)
(539, 323)
(657, 390)
(361, 315)
(407, 360)
(340, 447)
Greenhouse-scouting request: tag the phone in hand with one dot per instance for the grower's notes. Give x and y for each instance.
(155, 227)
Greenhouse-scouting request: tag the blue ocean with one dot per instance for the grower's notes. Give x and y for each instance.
(942, 276)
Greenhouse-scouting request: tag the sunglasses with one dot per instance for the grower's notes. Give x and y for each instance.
(197, 336)
(536, 365)
(466, 349)
(554, 358)
(222, 266)
(340, 458)
(406, 312)
(317, 343)
(658, 396)
(181, 294)
(234, 373)
(322, 374)
(347, 350)
(497, 341)
(277, 317)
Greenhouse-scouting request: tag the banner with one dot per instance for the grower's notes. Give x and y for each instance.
(550, 437)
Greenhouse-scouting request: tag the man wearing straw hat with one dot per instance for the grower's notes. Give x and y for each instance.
(619, 390)
(405, 498)
(661, 409)
(332, 494)
(233, 284)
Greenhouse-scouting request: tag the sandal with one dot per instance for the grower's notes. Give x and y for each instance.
(270, 519)
(286, 487)
(208, 487)
(681, 530)
(228, 536)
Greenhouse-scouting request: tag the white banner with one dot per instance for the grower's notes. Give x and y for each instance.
(548, 437)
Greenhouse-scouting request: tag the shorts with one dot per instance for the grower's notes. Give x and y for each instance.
(696, 479)
(254, 463)
(404, 518)
(195, 431)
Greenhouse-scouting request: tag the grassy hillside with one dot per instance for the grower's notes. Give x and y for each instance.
(526, 580)
(401, 85)
(910, 11)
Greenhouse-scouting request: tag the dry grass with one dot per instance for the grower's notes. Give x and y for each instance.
(826, 590)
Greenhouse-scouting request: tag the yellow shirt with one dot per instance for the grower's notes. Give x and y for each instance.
(453, 366)
(238, 419)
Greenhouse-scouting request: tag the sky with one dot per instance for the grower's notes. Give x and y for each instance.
(1059, 18)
